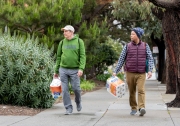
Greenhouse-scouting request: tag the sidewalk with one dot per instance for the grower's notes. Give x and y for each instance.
(102, 109)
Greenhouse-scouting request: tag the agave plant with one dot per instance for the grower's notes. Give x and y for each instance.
(25, 72)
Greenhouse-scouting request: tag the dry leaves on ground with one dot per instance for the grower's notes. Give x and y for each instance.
(18, 110)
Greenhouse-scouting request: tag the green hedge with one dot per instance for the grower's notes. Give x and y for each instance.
(26, 71)
(104, 77)
(87, 85)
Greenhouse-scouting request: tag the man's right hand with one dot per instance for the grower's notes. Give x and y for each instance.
(56, 75)
(114, 74)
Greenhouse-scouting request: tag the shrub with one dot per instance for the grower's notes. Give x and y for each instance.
(121, 76)
(25, 72)
(104, 77)
(87, 85)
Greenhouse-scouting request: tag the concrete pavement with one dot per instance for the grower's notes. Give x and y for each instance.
(102, 109)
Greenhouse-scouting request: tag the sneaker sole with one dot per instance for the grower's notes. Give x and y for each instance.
(134, 114)
(79, 109)
(142, 112)
(67, 113)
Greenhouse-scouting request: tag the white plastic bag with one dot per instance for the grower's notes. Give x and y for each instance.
(55, 88)
(55, 82)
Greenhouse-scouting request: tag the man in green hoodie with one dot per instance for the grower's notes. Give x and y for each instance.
(70, 63)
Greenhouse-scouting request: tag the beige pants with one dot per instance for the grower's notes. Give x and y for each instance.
(136, 80)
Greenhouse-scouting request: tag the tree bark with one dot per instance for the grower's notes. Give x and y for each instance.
(171, 29)
(171, 32)
(174, 4)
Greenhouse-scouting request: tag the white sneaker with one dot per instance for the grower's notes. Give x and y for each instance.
(133, 112)
(68, 112)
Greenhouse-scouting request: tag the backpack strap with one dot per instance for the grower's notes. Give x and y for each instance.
(79, 49)
(147, 64)
(61, 46)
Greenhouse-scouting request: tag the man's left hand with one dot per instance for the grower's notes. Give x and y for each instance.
(80, 73)
(149, 75)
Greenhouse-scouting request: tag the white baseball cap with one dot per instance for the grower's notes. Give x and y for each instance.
(68, 27)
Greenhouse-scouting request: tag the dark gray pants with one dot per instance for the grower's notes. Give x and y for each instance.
(66, 76)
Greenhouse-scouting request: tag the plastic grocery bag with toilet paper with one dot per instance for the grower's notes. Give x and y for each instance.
(55, 88)
(116, 87)
(55, 82)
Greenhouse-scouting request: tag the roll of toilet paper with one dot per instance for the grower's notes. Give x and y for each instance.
(119, 96)
(115, 87)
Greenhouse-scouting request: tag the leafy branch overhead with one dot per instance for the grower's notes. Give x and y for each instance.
(135, 13)
(43, 19)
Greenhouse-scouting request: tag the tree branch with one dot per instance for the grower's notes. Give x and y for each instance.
(124, 21)
(158, 13)
(96, 11)
(18, 25)
(174, 4)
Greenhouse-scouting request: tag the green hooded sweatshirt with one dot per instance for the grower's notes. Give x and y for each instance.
(71, 54)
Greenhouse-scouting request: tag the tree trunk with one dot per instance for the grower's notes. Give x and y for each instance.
(161, 57)
(170, 71)
(163, 81)
(161, 60)
(171, 31)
